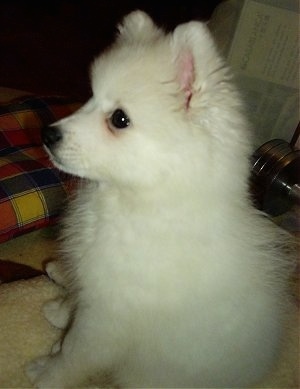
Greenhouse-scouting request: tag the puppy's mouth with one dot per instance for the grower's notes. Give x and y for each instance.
(65, 166)
(54, 158)
(65, 158)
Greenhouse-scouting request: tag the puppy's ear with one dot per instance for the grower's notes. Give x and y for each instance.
(195, 57)
(138, 26)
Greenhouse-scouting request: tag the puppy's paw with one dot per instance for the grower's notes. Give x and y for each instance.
(44, 373)
(58, 312)
(55, 271)
(36, 368)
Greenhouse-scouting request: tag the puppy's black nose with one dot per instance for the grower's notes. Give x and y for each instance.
(51, 135)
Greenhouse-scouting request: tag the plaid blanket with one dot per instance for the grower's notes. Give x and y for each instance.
(32, 191)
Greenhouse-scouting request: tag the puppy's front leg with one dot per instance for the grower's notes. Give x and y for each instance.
(58, 312)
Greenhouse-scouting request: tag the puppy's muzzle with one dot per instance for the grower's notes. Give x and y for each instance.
(51, 136)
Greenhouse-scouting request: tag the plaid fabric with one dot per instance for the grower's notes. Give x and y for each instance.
(32, 191)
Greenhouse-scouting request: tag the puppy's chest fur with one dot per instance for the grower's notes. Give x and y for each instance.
(135, 244)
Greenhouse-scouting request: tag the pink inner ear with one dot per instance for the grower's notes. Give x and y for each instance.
(186, 75)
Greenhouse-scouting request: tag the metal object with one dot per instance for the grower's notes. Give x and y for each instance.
(275, 180)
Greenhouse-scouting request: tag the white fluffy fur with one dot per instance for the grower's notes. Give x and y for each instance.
(175, 279)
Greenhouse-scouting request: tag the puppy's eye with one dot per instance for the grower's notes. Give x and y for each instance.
(119, 119)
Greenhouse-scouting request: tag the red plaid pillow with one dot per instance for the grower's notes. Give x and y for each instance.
(32, 191)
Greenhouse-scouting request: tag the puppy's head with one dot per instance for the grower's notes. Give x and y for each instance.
(155, 96)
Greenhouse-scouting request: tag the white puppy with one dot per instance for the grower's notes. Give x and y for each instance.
(173, 278)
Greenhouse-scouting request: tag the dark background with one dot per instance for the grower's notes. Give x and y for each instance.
(47, 46)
